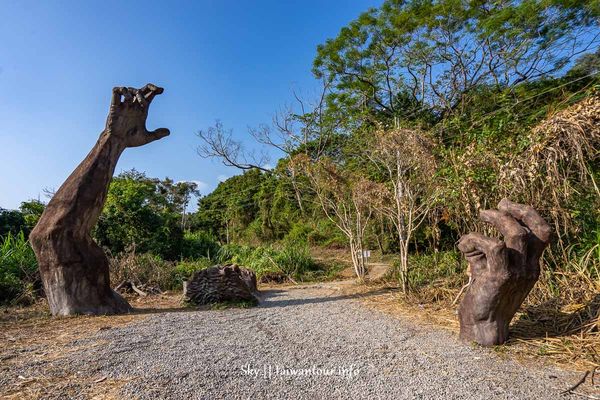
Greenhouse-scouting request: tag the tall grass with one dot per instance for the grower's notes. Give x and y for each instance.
(199, 244)
(292, 261)
(19, 276)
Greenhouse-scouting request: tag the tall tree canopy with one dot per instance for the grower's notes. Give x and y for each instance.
(413, 55)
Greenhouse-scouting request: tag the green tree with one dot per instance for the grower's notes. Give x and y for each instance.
(13, 222)
(140, 215)
(32, 211)
(410, 57)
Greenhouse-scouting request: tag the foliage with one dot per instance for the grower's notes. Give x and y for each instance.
(19, 277)
(421, 59)
(32, 211)
(143, 215)
(199, 244)
(291, 260)
(479, 86)
(12, 222)
(152, 273)
(185, 269)
(430, 268)
(145, 270)
(21, 220)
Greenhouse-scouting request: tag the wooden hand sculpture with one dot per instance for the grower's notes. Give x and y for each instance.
(73, 267)
(502, 272)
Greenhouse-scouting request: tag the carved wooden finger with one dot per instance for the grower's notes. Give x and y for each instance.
(540, 229)
(515, 235)
(150, 91)
(116, 97)
(480, 250)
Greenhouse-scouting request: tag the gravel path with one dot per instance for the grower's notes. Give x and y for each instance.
(305, 343)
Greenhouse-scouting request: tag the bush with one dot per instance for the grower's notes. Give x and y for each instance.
(152, 273)
(326, 234)
(199, 244)
(299, 233)
(185, 269)
(19, 275)
(258, 259)
(447, 267)
(290, 260)
(144, 270)
(295, 260)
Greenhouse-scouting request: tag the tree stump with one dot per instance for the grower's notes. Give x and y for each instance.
(73, 267)
(502, 272)
(218, 284)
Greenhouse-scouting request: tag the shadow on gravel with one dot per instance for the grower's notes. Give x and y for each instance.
(269, 298)
(166, 310)
(268, 303)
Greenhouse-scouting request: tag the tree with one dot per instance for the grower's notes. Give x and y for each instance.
(143, 215)
(217, 142)
(12, 222)
(177, 196)
(74, 269)
(410, 57)
(346, 199)
(405, 159)
(227, 212)
(32, 211)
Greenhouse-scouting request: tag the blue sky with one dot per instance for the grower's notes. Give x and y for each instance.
(236, 61)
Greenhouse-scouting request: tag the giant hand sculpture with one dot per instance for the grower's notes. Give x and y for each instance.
(73, 267)
(502, 272)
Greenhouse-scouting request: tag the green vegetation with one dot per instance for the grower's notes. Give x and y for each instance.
(232, 304)
(291, 261)
(142, 214)
(19, 278)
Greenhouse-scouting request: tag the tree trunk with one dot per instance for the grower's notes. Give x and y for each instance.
(73, 267)
(502, 272)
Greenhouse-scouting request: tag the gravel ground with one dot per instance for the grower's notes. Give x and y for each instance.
(301, 343)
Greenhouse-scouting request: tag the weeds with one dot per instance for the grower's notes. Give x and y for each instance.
(19, 276)
(291, 261)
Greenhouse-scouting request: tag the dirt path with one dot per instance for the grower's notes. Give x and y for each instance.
(307, 342)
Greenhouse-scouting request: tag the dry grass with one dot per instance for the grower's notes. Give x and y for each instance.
(30, 334)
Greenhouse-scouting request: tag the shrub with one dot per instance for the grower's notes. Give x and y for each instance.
(151, 273)
(185, 269)
(447, 267)
(326, 234)
(199, 244)
(295, 260)
(290, 260)
(19, 275)
(299, 233)
(145, 270)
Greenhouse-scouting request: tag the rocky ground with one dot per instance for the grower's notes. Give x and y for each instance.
(308, 342)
